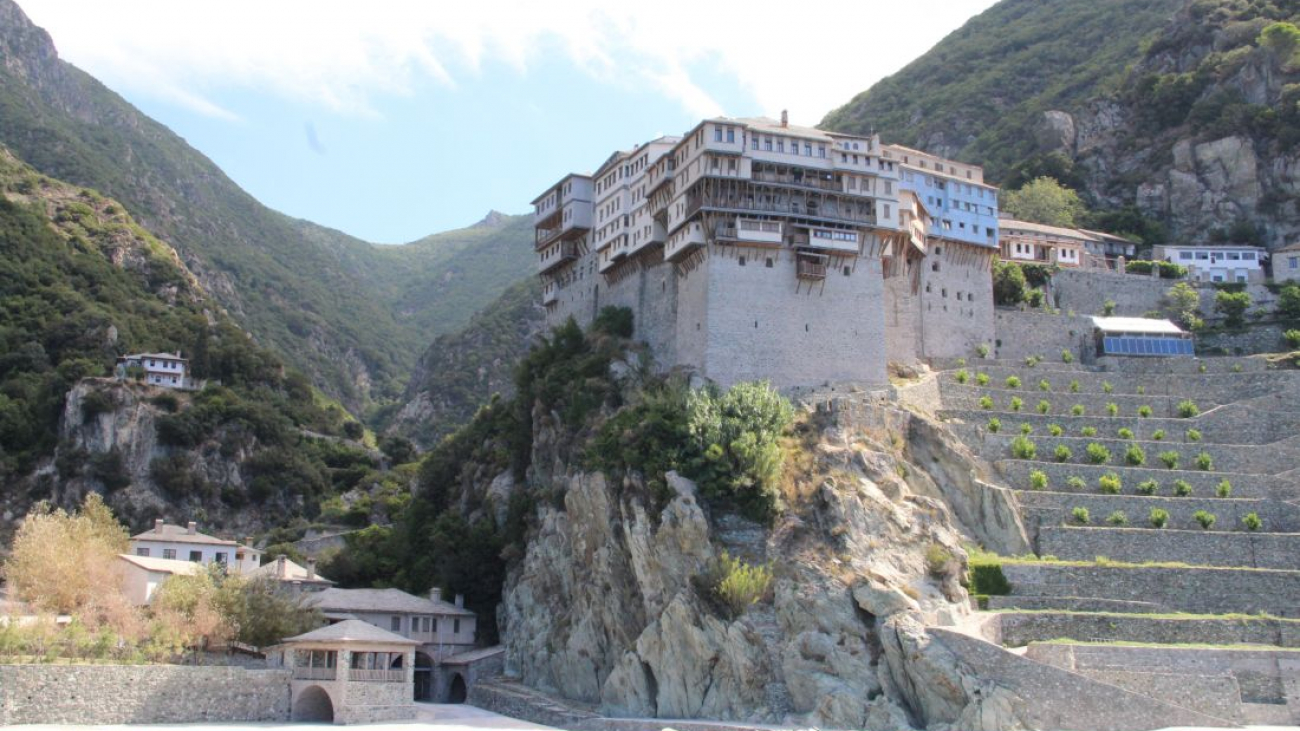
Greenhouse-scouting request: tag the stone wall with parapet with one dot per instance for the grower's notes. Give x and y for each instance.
(116, 694)
(958, 396)
(956, 299)
(1017, 629)
(1020, 334)
(1086, 292)
(1219, 387)
(1230, 424)
(1196, 546)
(1057, 699)
(1267, 681)
(1172, 589)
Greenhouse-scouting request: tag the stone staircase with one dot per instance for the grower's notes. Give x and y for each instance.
(1120, 595)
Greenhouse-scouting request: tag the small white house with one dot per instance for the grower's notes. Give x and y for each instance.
(140, 576)
(168, 370)
(186, 543)
(1225, 263)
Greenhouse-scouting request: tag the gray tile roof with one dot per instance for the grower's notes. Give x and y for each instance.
(381, 600)
(173, 533)
(351, 630)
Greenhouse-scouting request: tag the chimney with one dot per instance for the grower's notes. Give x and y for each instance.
(785, 118)
(280, 571)
(158, 524)
(311, 569)
(460, 601)
(192, 528)
(435, 594)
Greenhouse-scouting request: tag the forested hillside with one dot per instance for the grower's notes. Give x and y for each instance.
(312, 301)
(81, 283)
(1180, 111)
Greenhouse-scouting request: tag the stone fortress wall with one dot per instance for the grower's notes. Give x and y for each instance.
(116, 694)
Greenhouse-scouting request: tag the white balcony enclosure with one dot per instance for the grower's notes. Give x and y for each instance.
(684, 240)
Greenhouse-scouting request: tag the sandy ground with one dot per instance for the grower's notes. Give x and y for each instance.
(430, 715)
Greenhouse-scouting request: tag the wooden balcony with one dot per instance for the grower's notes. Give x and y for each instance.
(811, 267)
(302, 673)
(376, 676)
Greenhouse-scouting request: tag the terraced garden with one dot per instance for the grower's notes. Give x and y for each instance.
(1162, 500)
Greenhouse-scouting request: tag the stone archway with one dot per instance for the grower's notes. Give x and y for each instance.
(423, 686)
(313, 704)
(458, 692)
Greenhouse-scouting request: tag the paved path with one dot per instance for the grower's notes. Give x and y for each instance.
(429, 715)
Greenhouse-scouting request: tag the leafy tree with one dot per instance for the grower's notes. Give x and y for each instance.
(1009, 284)
(1044, 200)
(1233, 306)
(736, 434)
(1288, 303)
(1181, 303)
(1282, 39)
(63, 562)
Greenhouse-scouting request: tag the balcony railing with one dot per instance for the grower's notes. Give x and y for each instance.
(805, 181)
(377, 676)
(810, 266)
(797, 209)
(301, 673)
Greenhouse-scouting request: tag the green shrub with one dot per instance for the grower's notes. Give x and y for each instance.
(1076, 483)
(1224, 489)
(1201, 368)
(1141, 390)
(1252, 521)
(982, 350)
(1106, 387)
(1026, 429)
(1159, 518)
(1204, 462)
(961, 362)
(1144, 411)
(1067, 356)
(1112, 409)
(1292, 339)
(1109, 483)
(1088, 431)
(1080, 515)
(1022, 448)
(1125, 433)
(1158, 435)
(1016, 403)
(985, 577)
(994, 426)
(1062, 453)
(1097, 453)
(1038, 480)
(1077, 410)
(1044, 407)
(1044, 385)
(1148, 487)
(1170, 459)
(1074, 386)
(986, 403)
(1206, 519)
(1108, 308)
(1117, 518)
(982, 379)
(1013, 382)
(961, 376)
(938, 560)
(1033, 360)
(1134, 456)
(737, 585)
(1187, 408)
(1055, 430)
(1193, 435)
(1236, 368)
(1182, 488)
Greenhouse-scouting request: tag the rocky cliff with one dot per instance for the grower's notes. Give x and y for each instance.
(1182, 111)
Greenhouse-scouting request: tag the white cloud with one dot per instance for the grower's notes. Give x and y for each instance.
(806, 56)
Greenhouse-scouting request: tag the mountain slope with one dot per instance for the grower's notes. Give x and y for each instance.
(1176, 110)
(315, 304)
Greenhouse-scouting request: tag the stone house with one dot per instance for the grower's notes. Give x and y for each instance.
(440, 629)
(175, 542)
(168, 370)
(1286, 263)
(349, 672)
(295, 578)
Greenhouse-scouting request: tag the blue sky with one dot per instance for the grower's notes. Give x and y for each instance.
(391, 120)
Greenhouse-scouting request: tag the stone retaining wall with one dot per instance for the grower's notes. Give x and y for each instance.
(1230, 424)
(1047, 509)
(1197, 547)
(1017, 629)
(1219, 386)
(1196, 590)
(1267, 459)
(1016, 473)
(1256, 338)
(1021, 334)
(114, 694)
(957, 396)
